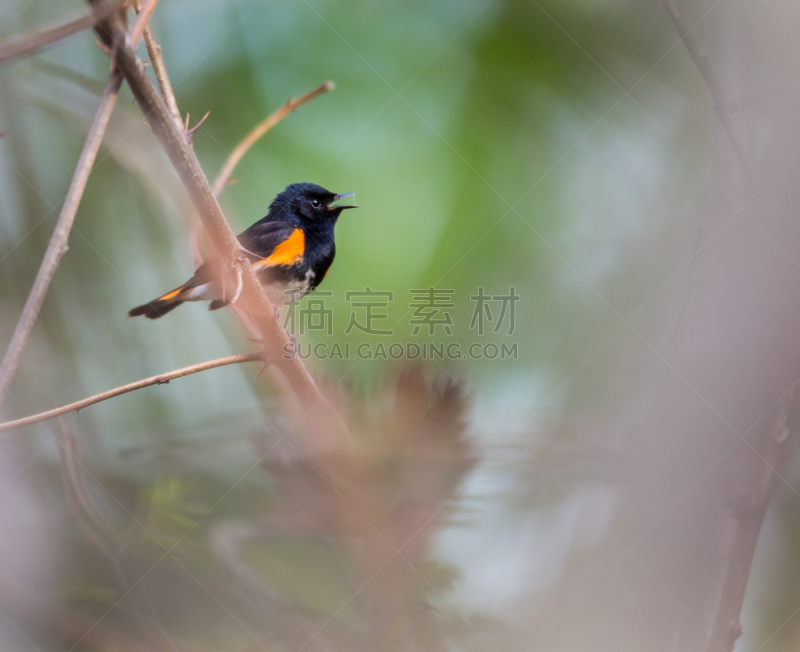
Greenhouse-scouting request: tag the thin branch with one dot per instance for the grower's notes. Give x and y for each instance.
(97, 528)
(157, 60)
(57, 245)
(36, 39)
(189, 132)
(260, 129)
(142, 20)
(160, 70)
(161, 379)
(75, 495)
(701, 60)
(750, 513)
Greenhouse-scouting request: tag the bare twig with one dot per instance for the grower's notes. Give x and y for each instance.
(89, 84)
(38, 38)
(98, 530)
(75, 491)
(750, 512)
(160, 70)
(157, 60)
(161, 379)
(701, 60)
(261, 128)
(190, 132)
(57, 246)
(142, 20)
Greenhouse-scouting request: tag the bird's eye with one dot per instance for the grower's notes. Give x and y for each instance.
(315, 203)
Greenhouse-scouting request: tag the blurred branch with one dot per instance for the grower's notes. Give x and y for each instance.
(161, 379)
(92, 523)
(750, 512)
(701, 60)
(263, 127)
(376, 511)
(141, 22)
(30, 605)
(76, 493)
(157, 60)
(57, 245)
(45, 35)
(89, 84)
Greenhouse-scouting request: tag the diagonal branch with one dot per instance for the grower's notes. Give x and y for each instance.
(141, 22)
(160, 70)
(720, 102)
(36, 39)
(57, 245)
(161, 379)
(750, 513)
(260, 129)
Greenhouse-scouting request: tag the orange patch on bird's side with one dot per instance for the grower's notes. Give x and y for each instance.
(288, 252)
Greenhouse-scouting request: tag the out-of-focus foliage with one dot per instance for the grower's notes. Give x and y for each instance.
(503, 144)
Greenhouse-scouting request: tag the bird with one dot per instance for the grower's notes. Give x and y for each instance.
(291, 250)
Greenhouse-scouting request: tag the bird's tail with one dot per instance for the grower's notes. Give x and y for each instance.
(161, 306)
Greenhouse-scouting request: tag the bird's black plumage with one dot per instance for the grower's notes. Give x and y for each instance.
(291, 248)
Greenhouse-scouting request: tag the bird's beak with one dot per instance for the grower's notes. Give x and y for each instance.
(334, 207)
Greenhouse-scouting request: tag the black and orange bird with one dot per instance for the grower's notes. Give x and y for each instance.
(291, 250)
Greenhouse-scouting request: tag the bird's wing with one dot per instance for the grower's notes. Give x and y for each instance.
(268, 244)
(273, 243)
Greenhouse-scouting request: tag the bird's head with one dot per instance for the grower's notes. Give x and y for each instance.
(311, 201)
